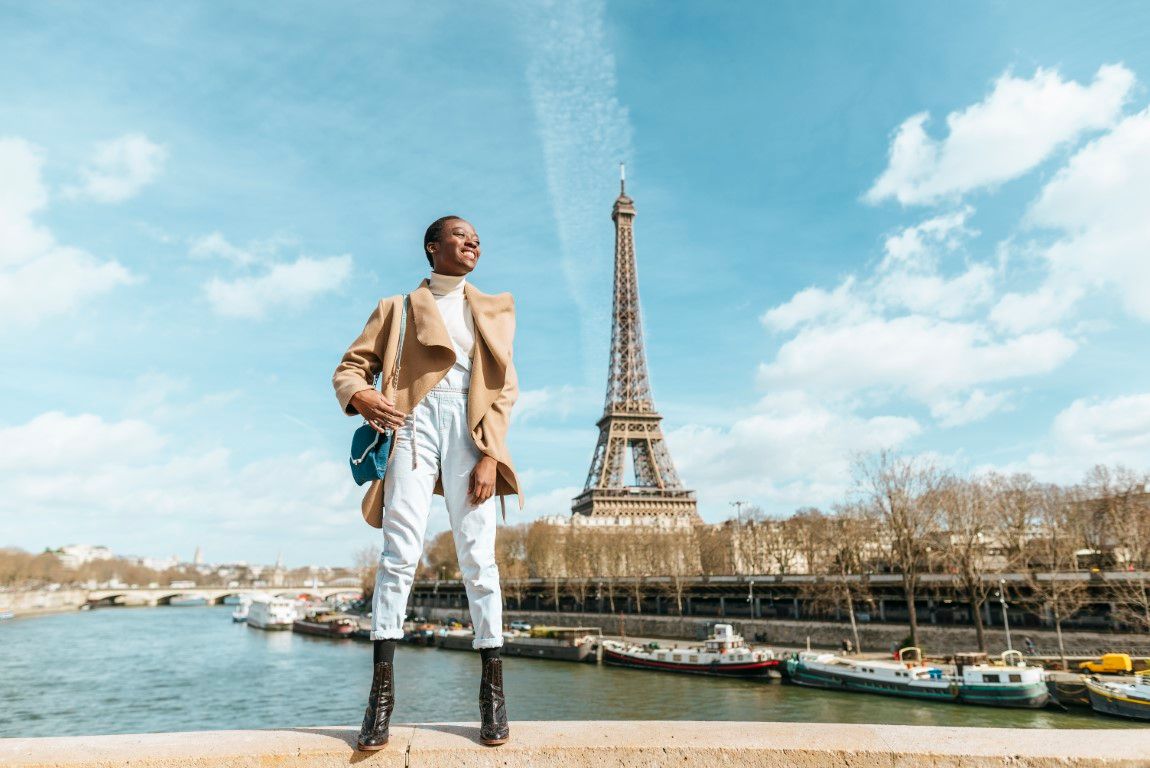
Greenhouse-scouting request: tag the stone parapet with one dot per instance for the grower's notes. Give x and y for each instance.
(570, 744)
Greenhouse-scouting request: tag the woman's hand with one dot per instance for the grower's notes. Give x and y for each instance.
(482, 485)
(377, 409)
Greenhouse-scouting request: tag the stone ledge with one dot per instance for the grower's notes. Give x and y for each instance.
(569, 744)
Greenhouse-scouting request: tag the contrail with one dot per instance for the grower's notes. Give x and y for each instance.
(585, 132)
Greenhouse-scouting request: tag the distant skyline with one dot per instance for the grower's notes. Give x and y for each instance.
(859, 226)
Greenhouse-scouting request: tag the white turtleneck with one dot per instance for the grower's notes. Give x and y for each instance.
(456, 314)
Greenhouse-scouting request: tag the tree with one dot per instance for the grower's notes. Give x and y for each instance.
(1056, 584)
(902, 492)
(1013, 505)
(439, 560)
(967, 514)
(676, 556)
(365, 561)
(1120, 494)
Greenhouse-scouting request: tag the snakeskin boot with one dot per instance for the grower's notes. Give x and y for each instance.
(493, 727)
(373, 733)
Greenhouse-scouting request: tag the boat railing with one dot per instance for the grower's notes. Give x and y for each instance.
(911, 655)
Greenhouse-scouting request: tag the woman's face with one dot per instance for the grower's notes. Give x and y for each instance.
(457, 251)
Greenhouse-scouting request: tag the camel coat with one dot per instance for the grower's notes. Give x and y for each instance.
(427, 357)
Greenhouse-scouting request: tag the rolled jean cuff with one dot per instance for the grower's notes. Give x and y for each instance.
(387, 634)
(486, 642)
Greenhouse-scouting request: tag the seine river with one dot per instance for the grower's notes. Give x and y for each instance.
(136, 670)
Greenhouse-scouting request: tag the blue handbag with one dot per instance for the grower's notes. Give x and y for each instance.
(369, 446)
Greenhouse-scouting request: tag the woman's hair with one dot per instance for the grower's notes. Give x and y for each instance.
(434, 232)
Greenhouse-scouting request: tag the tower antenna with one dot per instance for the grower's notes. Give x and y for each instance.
(622, 178)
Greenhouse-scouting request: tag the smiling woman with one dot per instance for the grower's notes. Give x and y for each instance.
(449, 402)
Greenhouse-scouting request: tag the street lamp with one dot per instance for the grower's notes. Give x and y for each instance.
(737, 539)
(1005, 618)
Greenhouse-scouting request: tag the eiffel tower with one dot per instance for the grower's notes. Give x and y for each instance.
(629, 419)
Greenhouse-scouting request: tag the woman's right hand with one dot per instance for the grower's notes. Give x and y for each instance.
(380, 412)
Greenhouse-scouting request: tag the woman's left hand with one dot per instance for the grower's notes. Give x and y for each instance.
(482, 485)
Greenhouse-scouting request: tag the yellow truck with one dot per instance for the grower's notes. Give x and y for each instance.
(1111, 664)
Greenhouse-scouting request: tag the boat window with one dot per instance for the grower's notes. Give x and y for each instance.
(1016, 678)
(990, 678)
(694, 657)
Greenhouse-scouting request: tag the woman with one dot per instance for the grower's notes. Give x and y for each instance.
(450, 408)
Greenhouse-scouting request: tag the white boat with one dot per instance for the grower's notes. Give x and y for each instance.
(724, 653)
(906, 677)
(241, 612)
(1010, 682)
(273, 613)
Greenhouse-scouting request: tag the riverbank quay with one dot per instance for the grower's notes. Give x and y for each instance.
(788, 633)
(572, 744)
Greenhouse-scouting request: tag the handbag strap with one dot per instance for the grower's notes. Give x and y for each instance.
(398, 352)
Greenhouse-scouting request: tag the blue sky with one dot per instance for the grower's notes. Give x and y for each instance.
(859, 225)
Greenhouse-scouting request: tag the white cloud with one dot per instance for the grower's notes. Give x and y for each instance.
(555, 402)
(216, 245)
(1019, 124)
(119, 169)
(814, 304)
(556, 501)
(975, 407)
(39, 277)
(918, 247)
(1098, 204)
(928, 359)
(931, 294)
(1094, 431)
(791, 451)
(1043, 307)
(84, 478)
(292, 284)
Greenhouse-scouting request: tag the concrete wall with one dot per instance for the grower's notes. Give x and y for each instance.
(42, 601)
(614, 744)
(789, 633)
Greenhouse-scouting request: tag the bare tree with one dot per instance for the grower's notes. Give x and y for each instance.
(1055, 582)
(968, 517)
(1121, 497)
(903, 493)
(365, 561)
(1013, 507)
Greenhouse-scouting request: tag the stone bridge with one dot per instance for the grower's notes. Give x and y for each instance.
(213, 595)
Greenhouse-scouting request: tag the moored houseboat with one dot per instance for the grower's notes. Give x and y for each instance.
(907, 677)
(724, 653)
(335, 625)
(561, 643)
(1121, 698)
(1009, 683)
(272, 613)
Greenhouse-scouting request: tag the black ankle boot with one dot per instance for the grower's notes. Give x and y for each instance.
(493, 727)
(373, 733)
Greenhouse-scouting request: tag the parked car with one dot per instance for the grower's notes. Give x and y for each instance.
(1111, 663)
(522, 626)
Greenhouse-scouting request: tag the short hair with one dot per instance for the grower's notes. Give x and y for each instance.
(434, 232)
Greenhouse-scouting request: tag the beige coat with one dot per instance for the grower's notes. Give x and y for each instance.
(427, 357)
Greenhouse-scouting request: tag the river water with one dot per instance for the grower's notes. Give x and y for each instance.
(137, 670)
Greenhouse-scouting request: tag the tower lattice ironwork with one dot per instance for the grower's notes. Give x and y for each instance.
(629, 421)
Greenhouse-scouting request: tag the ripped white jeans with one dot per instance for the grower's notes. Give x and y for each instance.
(436, 438)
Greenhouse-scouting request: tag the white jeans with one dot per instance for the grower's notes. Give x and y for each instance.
(442, 442)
